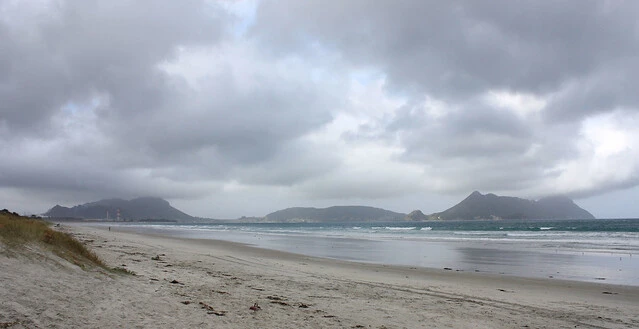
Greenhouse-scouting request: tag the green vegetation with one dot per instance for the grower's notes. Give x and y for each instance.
(17, 231)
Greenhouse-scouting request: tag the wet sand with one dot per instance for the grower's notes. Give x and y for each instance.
(186, 283)
(558, 259)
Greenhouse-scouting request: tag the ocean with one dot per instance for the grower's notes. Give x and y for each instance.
(602, 250)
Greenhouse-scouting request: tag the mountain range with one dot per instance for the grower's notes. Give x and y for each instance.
(491, 206)
(136, 209)
(475, 206)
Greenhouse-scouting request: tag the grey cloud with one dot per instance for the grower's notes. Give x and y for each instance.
(473, 146)
(295, 163)
(578, 55)
(72, 174)
(70, 53)
(244, 127)
(458, 48)
(150, 127)
(610, 88)
(84, 47)
(87, 107)
(350, 184)
(605, 188)
(470, 132)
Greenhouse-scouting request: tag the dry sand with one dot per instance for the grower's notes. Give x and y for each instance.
(213, 284)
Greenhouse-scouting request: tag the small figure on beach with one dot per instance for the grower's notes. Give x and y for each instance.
(109, 228)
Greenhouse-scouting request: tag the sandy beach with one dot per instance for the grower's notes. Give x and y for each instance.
(180, 283)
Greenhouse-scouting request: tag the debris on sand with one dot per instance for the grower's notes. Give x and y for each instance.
(275, 298)
(211, 310)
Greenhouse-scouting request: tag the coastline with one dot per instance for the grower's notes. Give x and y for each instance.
(560, 255)
(293, 291)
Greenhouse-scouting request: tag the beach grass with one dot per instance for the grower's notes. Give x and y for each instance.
(18, 231)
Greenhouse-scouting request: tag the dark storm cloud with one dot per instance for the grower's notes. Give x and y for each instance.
(579, 57)
(75, 48)
(609, 88)
(245, 127)
(475, 131)
(61, 55)
(87, 106)
(474, 147)
(454, 49)
(317, 99)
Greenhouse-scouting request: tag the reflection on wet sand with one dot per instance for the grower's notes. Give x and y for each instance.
(508, 258)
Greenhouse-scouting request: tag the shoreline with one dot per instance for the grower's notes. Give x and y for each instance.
(257, 251)
(292, 290)
(433, 273)
(516, 258)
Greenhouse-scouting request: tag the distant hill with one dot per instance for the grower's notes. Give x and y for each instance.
(491, 206)
(416, 215)
(334, 214)
(136, 209)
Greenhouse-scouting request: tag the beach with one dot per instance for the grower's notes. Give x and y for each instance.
(584, 250)
(194, 283)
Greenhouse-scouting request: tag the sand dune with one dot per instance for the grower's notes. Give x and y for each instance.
(204, 284)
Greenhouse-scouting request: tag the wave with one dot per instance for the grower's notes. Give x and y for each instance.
(393, 228)
(480, 233)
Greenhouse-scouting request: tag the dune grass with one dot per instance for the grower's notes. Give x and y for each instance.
(17, 231)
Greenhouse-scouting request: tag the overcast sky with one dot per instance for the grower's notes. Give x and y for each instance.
(239, 108)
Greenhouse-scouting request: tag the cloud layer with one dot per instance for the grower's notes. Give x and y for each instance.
(238, 108)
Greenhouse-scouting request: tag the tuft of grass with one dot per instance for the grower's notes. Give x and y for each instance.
(17, 231)
(122, 270)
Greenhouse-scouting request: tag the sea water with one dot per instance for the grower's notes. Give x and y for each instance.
(602, 250)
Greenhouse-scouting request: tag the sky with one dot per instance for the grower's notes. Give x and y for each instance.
(240, 108)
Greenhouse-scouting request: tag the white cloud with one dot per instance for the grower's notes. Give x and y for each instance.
(523, 104)
(608, 156)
